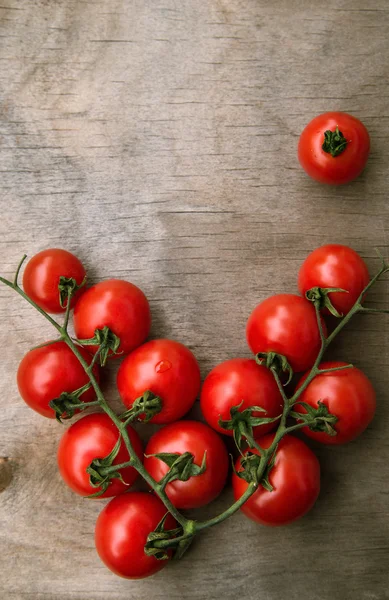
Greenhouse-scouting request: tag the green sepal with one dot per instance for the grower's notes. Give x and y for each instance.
(334, 142)
(160, 533)
(143, 408)
(275, 362)
(242, 423)
(251, 465)
(317, 419)
(67, 287)
(181, 466)
(68, 403)
(97, 477)
(265, 482)
(107, 341)
(319, 296)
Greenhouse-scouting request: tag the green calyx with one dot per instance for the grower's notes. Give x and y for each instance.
(242, 423)
(334, 142)
(68, 403)
(275, 362)
(143, 408)
(317, 419)
(100, 474)
(181, 466)
(159, 534)
(319, 297)
(67, 287)
(107, 341)
(252, 470)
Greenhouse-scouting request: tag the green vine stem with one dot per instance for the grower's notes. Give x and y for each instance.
(191, 527)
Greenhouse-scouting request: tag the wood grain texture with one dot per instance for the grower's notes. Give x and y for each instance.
(157, 140)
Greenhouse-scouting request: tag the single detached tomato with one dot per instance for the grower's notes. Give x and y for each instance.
(348, 394)
(121, 534)
(196, 438)
(286, 324)
(41, 278)
(335, 266)
(94, 437)
(295, 478)
(46, 372)
(166, 368)
(334, 148)
(240, 381)
(116, 304)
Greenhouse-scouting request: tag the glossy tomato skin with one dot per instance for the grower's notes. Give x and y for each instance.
(295, 478)
(121, 534)
(117, 304)
(42, 276)
(348, 394)
(44, 373)
(335, 266)
(196, 438)
(236, 381)
(322, 166)
(286, 324)
(94, 436)
(166, 368)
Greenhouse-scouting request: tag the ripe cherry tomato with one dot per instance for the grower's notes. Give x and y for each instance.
(121, 534)
(44, 373)
(335, 266)
(295, 478)
(42, 274)
(117, 304)
(348, 394)
(235, 381)
(346, 148)
(166, 368)
(285, 324)
(94, 436)
(196, 438)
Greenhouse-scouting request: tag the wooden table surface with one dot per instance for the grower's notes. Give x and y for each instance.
(157, 140)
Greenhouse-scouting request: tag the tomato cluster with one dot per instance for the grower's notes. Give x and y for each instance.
(159, 381)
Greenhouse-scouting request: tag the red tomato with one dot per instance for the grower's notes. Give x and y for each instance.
(42, 274)
(196, 438)
(94, 436)
(329, 166)
(235, 381)
(121, 534)
(117, 304)
(166, 368)
(348, 394)
(295, 478)
(335, 266)
(285, 324)
(46, 372)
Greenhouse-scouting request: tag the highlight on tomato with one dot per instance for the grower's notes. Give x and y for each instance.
(93, 438)
(335, 266)
(121, 534)
(208, 450)
(47, 275)
(295, 479)
(166, 368)
(348, 394)
(119, 305)
(240, 382)
(48, 371)
(334, 148)
(286, 324)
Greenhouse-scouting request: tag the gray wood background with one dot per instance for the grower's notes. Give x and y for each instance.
(157, 140)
